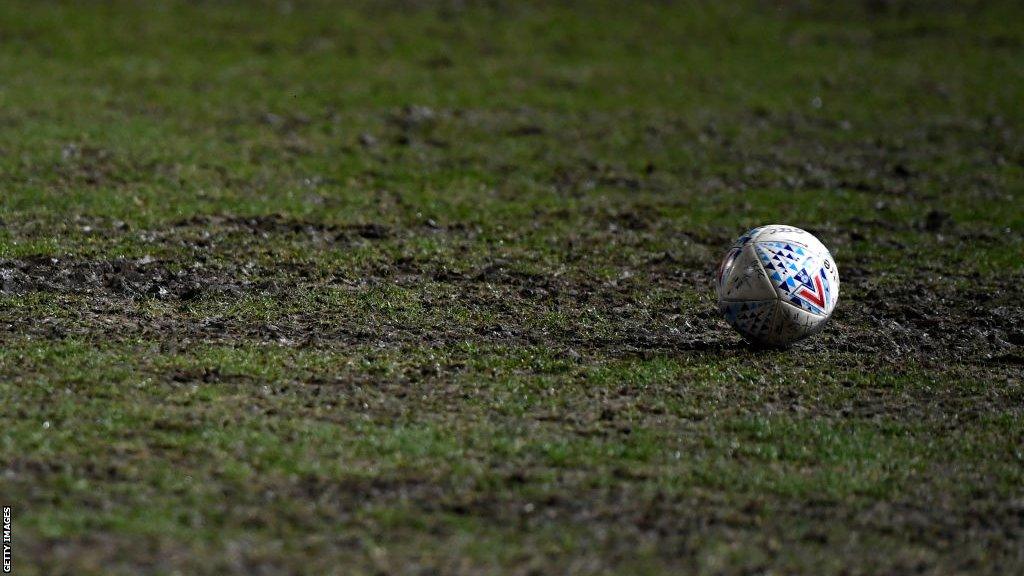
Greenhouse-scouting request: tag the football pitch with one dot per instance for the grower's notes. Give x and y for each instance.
(413, 287)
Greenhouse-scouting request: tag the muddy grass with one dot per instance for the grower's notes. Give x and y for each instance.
(417, 341)
(386, 290)
(935, 315)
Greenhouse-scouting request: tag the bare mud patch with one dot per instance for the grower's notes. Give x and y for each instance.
(119, 278)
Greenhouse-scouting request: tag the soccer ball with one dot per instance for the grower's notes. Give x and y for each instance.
(777, 284)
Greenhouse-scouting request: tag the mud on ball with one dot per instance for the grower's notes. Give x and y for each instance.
(777, 284)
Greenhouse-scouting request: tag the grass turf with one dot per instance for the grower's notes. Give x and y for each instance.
(406, 287)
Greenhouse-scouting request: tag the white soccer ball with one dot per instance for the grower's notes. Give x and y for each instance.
(777, 284)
